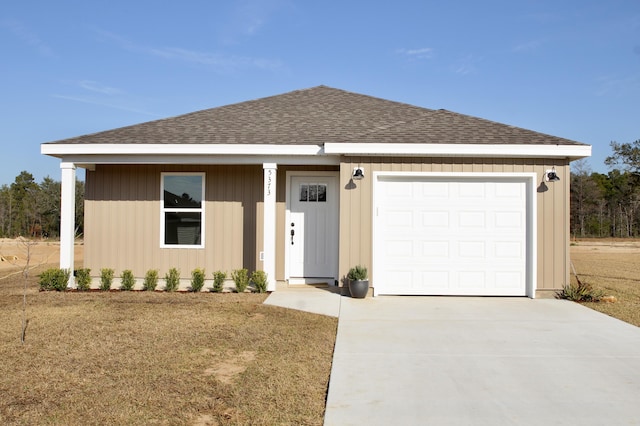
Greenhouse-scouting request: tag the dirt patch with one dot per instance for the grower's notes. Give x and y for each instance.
(606, 246)
(229, 369)
(14, 253)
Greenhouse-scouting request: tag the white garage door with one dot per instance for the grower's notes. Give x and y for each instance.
(450, 236)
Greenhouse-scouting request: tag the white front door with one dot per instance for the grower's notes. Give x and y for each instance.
(312, 231)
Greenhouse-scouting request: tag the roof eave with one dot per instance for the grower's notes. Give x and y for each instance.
(256, 153)
(60, 150)
(572, 152)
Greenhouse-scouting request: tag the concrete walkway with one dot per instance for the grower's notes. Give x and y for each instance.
(481, 361)
(322, 300)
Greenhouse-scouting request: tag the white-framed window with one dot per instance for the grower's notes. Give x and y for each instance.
(182, 210)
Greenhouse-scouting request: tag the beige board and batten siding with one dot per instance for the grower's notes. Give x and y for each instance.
(356, 201)
(122, 220)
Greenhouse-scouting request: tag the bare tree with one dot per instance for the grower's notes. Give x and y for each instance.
(25, 245)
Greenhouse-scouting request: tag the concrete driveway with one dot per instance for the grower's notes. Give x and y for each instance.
(481, 361)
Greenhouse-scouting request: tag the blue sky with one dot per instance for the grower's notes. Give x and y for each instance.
(71, 67)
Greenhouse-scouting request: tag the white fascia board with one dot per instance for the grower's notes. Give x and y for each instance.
(572, 152)
(58, 150)
(88, 161)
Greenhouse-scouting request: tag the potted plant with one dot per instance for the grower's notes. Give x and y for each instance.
(358, 282)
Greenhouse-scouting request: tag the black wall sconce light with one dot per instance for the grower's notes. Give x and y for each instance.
(551, 175)
(358, 173)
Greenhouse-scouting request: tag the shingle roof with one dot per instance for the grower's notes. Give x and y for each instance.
(316, 116)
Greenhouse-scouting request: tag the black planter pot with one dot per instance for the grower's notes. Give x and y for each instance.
(359, 288)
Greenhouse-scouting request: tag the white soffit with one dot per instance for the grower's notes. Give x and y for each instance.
(573, 152)
(156, 152)
(178, 149)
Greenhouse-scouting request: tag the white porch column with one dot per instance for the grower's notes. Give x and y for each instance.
(67, 218)
(269, 227)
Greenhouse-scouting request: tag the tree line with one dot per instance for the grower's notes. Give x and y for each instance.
(607, 205)
(32, 209)
(602, 205)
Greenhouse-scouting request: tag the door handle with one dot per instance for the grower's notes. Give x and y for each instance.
(292, 232)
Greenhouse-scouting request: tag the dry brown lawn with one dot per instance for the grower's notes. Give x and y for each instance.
(614, 267)
(200, 359)
(160, 358)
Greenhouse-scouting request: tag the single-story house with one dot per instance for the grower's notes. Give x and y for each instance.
(306, 184)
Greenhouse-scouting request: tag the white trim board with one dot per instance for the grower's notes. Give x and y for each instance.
(88, 161)
(178, 149)
(573, 152)
(91, 153)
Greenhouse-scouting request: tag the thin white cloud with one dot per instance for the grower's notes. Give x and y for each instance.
(105, 104)
(421, 53)
(93, 86)
(466, 65)
(254, 17)
(27, 36)
(248, 17)
(219, 62)
(528, 46)
(463, 69)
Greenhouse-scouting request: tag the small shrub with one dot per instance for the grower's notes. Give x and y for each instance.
(54, 279)
(106, 278)
(259, 281)
(197, 280)
(150, 280)
(172, 280)
(127, 280)
(218, 281)
(580, 292)
(83, 279)
(357, 273)
(241, 278)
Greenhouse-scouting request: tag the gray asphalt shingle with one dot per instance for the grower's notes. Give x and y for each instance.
(316, 116)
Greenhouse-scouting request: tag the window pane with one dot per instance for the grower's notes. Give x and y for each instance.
(182, 228)
(304, 190)
(313, 192)
(322, 193)
(184, 192)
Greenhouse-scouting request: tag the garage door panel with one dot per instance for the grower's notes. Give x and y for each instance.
(435, 190)
(401, 190)
(435, 249)
(434, 219)
(433, 280)
(400, 248)
(509, 219)
(472, 279)
(464, 237)
(400, 218)
(472, 249)
(472, 219)
(508, 250)
(472, 190)
(509, 191)
(509, 280)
